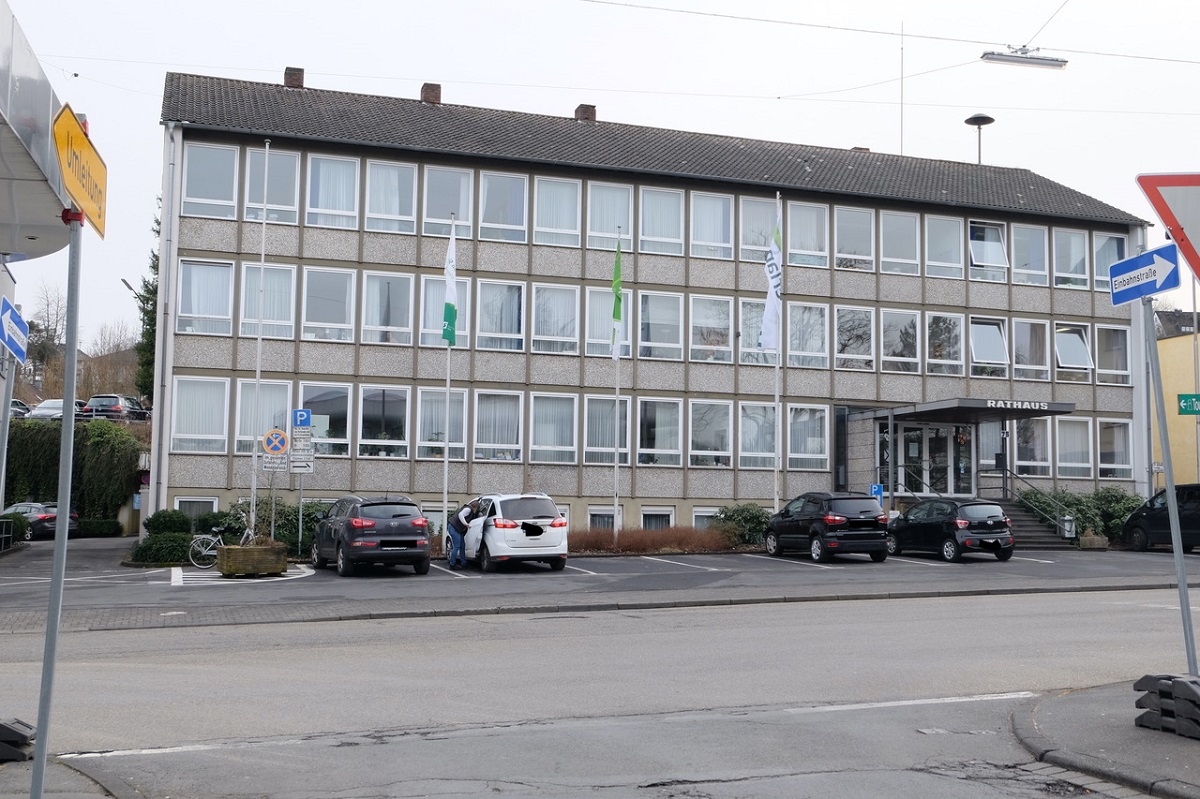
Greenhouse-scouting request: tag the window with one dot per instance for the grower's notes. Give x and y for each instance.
(283, 186)
(712, 329)
(432, 413)
(989, 348)
(854, 239)
(944, 344)
(328, 304)
(271, 411)
(756, 437)
(661, 222)
(758, 226)
(503, 207)
(1070, 259)
(447, 195)
(209, 181)
(710, 440)
(1033, 447)
(277, 300)
(387, 308)
(702, 517)
(943, 247)
(383, 421)
(989, 252)
(556, 212)
(194, 507)
(501, 316)
(330, 406)
(199, 415)
(600, 518)
(610, 215)
(854, 338)
(332, 192)
(1112, 355)
(552, 428)
(989, 442)
(808, 336)
(600, 322)
(205, 298)
(497, 426)
(603, 430)
(391, 197)
(657, 518)
(808, 235)
(660, 326)
(1074, 447)
(1116, 460)
(1031, 349)
(899, 243)
(1072, 356)
(1029, 255)
(555, 319)
(1108, 250)
(808, 437)
(712, 225)
(659, 432)
(433, 311)
(751, 312)
(899, 341)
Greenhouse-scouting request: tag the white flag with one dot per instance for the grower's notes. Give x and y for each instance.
(768, 336)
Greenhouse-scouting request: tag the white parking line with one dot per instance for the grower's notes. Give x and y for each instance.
(585, 571)
(945, 700)
(689, 565)
(792, 562)
(454, 572)
(900, 559)
(190, 576)
(1033, 560)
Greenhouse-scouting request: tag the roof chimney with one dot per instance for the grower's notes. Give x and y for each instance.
(861, 149)
(431, 93)
(585, 113)
(293, 77)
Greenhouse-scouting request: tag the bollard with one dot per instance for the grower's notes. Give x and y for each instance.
(1171, 703)
(16, 740)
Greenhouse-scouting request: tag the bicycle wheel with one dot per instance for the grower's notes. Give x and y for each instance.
(203, 552)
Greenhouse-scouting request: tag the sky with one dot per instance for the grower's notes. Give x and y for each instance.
(896, 76)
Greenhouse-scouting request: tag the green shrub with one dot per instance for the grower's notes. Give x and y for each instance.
(285, 516)
(19, 525)
(1115, 505)
(93, 528)
(163, 547)
(168, 521)
(1103, 511)
(747, 523)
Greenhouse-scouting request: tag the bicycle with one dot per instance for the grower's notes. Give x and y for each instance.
(203, 551)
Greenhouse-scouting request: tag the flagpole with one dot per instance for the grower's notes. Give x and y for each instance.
(262, 279)
(618, 331)
(770, 333)
(449, 333)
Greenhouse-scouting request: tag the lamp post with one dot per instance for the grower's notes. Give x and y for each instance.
(979, 120)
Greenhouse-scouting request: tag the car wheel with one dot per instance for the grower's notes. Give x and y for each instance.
(344, 567)
(486, 562)
(951, 551)
(818, 550)
(1003, 554)
(1138, 539)
(558, 564)
(421, 566)
(318, 562)
(771, 542)
(879, 557)
(28, 536)
(893, 546)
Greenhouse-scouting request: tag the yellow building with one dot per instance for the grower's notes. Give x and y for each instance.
(1177, 356)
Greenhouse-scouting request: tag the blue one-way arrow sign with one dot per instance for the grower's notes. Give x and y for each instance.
(1149, 273)
(14, 331)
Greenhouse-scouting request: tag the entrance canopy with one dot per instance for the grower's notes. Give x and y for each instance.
(965, 411)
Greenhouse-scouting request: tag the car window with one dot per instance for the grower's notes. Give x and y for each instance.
(389, 510)
(529, 508)
(856, 506)
(1159, 500)
(917, 512)
(977, 512)
(811, 506)
(102, 402)
(795, 505)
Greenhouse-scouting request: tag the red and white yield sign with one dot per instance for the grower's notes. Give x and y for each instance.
(1176, 200)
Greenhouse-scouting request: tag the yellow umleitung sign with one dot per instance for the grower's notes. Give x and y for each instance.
(85, 177)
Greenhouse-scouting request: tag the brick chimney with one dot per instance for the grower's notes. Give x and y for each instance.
(585, 112)
(431, 93)
(293, 77)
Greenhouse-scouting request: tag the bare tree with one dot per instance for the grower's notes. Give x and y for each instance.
(111, 367)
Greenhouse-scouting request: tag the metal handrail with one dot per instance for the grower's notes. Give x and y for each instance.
(1064, 511)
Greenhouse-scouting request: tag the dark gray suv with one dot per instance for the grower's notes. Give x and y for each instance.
(829, 523)
(1150, 524)
(361, 531)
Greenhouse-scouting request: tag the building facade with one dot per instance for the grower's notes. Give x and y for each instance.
(938, 319)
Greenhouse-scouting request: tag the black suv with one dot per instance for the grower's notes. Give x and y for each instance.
(951, 527)
(1150, 524)
(830, 523)
(117, 407)
(372, 530)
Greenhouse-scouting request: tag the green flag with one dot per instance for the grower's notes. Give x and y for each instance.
(618, 328)
(450, 319)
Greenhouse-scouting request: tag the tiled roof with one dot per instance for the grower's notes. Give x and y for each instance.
(239, 106)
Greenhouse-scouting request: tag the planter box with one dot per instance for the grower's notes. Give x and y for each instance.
(1093, 542)
(251, 560)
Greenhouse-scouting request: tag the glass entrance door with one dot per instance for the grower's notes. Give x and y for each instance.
(935, 459)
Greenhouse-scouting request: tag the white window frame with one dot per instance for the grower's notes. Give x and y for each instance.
(710, 454)
(804, 458)
(221, 323)
(211, 502)
(386, 220)
(217, 206)
(282, 326)
(601, 453)
(431, 406)
(988, 340)
(661, 456)
(702, 516)
(650, 346)
(375, 442)
(942, 267)
(246, 439)
(1022, 273)
(543, 232)
(935, 364)
(1073, 361)
(1100, 277)
(321, 216)
(1081, 469)
(553, 343)
(390, 334)
(749, 330)
(282, 211)
(213, 435)
(1030, 369)
(858, 361)
(551, 452)
(800, 352)
(433, 310)
(989, 259)
(514, 233)
(749, 455)
(658, 510)
(754, 240)
(342, 331)
(842, 258)
(717, 249)
(499, 340)
(655, 244)
(600, 320)
(324, 444)
(1110, 468)
(899, 362)
(1026, 466)
(705, 340)
(1064, 277)
(487, 449)
(906, 259)
(600, 236)
(799, 256)
(438, 223)
(1109, 375)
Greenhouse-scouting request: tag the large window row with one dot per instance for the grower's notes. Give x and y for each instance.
(390, 421)
(400, 308)
(1069, 446)
(405, 198)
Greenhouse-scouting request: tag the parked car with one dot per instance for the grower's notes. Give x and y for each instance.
(951, 527)
(829, 523)
(516, 527)
(17, 409)
(43, 518)
(117, 407)
(361, 531)
(1150, 524)
(52, 409)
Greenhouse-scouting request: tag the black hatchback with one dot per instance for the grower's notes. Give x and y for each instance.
(951, 527)
(360, 531)
(828, 523)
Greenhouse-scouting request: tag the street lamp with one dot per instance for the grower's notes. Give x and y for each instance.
(979, 120)
(131, 288)
(1023, 56)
